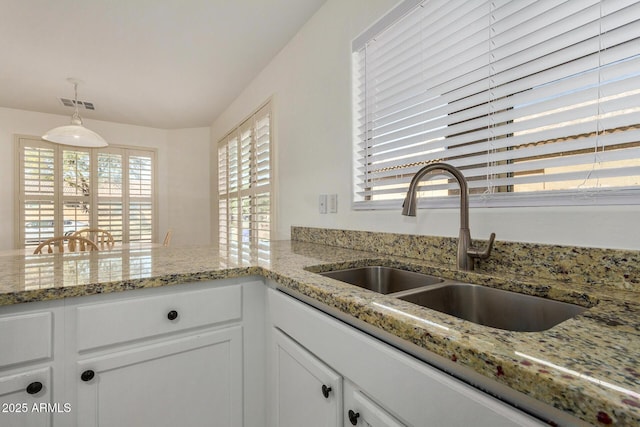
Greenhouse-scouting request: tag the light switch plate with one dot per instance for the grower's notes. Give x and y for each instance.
(332, 203)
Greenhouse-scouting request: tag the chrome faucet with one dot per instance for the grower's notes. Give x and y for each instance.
(466, 253)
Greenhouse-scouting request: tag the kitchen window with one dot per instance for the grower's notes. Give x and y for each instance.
(537, 102)
(244, 188)
(63, 189)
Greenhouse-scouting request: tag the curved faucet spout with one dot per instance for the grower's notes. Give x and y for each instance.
(410, 201)
(466, 254)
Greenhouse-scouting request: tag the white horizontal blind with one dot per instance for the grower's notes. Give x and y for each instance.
(530, 99)
(244, 189)
(63, 189)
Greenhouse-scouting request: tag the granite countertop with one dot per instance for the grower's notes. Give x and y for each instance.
(587, 366)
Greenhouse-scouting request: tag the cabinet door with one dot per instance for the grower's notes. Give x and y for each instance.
(307, 392)
(25, 399)
(417, 393)
(192, 381)
(361, 411)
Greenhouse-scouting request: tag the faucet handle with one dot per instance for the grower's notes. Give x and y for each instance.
(484, 254)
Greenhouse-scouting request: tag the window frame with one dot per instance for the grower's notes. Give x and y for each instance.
(574, 197)
(94, 199)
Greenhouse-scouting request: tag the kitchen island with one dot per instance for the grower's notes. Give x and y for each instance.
(586, 366)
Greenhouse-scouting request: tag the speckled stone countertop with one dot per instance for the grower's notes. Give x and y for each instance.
(587, 366)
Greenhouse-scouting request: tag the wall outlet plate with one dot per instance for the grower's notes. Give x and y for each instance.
(322, 203)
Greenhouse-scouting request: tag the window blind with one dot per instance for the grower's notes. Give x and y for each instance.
(537, 102)
(244, 189)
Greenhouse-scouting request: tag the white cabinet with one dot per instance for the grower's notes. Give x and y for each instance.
(389, 388)
(164, 357)
(209, 354)
(361, 411)
(25, 398)
(188, 355)
(28, 349)
(309, 393)
(306, 391)
(193, 381)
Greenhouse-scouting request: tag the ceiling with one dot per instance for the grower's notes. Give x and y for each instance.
(160, 63)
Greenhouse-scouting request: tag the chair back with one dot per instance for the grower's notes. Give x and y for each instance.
(102, 238)
(74, 244)
(167, 239)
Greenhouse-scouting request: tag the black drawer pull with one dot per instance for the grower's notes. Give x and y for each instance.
(87, 375)
(325, 391)
(353, 417)
(34, 387)
(172, 315)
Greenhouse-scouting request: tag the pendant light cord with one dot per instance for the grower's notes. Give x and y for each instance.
(75, 119)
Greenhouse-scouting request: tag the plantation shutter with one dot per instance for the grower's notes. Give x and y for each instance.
(261, 210)
(244, 189)
(37, 192)
(77, 189)
(535, 101)
(111, 192)
(223, 197)
(63, 189)
(140, 197)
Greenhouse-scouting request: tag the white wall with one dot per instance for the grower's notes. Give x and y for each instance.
(310, 84)
(188, 187)
(175, 149)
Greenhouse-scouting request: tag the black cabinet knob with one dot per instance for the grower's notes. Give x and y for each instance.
(325, 391)
(353, 417)
(87, 375)
(172, 315)
(34, 387)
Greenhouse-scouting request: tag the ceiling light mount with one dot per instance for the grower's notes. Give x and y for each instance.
(75, 134)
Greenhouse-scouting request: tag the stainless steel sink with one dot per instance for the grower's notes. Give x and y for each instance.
(494, 307)
(478, 304)
(384, 280)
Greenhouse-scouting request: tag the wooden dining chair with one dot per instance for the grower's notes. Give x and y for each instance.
(99, 236)
(167, 238)
(74, 244)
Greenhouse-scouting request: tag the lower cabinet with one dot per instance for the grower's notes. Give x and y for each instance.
(193, 381)
(361, 411)
(229, 353)
(382, 385)
(309, 393)
(306, 391)
(189, 355)
(29, 346)
(25, 398)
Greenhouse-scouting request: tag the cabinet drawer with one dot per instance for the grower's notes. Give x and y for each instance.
(129, 319)
(25, 338)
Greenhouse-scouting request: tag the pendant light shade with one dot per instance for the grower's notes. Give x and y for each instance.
(75, 134)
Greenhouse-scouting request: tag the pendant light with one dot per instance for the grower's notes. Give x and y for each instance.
(75, 134)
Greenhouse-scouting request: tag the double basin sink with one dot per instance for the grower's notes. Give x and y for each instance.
(479, 304)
